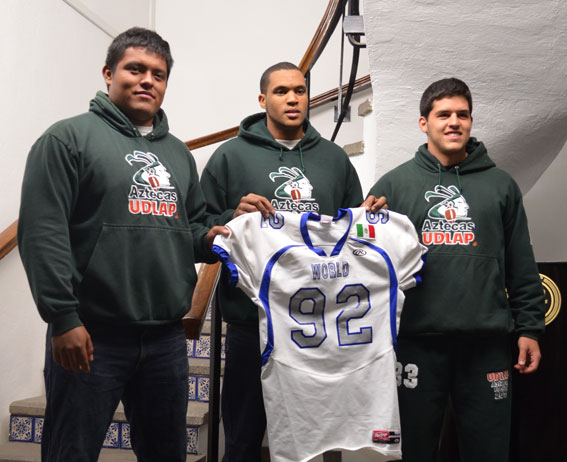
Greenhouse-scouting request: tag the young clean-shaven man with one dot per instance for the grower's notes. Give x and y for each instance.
(109, 232)
(481, 289)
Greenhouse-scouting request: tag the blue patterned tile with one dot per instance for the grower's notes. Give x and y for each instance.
(203, 389)
(192, 388)
(125, 442)
(37, 429)
(112, 436)
(192, 440)
(21, 428)
(203, 347)
(190, 348)
(223, 347)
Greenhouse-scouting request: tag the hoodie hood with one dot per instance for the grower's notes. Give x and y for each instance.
(255, 129)
(113, 116)
(477, 159)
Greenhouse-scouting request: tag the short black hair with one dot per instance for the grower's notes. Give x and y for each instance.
(444, 88)
(138, 37)
(283, 66)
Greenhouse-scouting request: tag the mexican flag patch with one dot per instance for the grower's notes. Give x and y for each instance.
(365, 231)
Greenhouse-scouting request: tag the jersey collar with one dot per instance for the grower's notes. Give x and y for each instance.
(315, 217)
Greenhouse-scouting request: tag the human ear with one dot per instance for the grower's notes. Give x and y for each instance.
(262, 100)
(422, 122)
(107, 75)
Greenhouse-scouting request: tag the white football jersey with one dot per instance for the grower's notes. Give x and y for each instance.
(330, 293)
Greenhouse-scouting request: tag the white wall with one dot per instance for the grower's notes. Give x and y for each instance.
(113, 17)
(512, 55)
(46, 53)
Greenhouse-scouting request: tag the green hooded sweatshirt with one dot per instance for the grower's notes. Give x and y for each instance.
(480, 276)
(109, 221)
(316, 175)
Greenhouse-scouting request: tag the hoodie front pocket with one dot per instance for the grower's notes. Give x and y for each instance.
(138, 273)
(459, 293)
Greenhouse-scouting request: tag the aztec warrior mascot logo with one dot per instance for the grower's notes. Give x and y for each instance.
(151, 193)
(448, 222)
(295, 193)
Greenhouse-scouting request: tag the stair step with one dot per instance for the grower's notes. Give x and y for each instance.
(201, 366)
(197, 413)
(26, 415)
(31, 452)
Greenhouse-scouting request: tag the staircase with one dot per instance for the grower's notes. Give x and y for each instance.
(26, 416)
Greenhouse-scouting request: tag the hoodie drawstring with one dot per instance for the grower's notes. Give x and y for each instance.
(457, 169)
(300, 157)
(458, 179)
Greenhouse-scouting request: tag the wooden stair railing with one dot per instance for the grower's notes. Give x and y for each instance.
(322, 35)
(8, 239)
(208, 274)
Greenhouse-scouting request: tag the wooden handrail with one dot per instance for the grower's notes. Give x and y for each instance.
(8, 239)
(360, 84)
(202, 297)
(208, 274)
(212, 138)
(322, 34)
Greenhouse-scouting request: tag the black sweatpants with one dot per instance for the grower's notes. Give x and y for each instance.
(476, 372)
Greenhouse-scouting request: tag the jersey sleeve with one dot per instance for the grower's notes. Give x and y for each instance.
(412, 256)
(399, 239)
(395, 235)
(240, 252)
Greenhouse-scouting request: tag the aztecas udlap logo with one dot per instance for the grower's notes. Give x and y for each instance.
(294, 194)
(151, 193)
(448, 222)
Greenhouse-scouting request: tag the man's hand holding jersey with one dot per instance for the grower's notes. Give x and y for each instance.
(373, 204)
(252, 203)
(214, 231)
